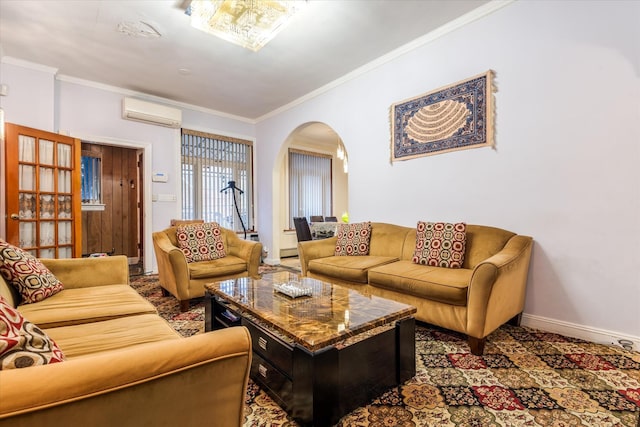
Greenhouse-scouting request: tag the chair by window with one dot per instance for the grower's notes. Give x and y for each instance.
(316, 218)
(330, 219)
(303, 232)
(185, 280)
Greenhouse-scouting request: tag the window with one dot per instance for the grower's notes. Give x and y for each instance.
(210, 163)
(90, 169)
(309, 184)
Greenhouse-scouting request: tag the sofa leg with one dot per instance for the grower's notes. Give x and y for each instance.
(476, 345)
(165, 293)
(515, 320)
(184, 305)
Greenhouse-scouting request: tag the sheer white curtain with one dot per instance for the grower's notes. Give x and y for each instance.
(309, 184)
(209, 163)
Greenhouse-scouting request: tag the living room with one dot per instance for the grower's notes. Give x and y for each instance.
(563, 169)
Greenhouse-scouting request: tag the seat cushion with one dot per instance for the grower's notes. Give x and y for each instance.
(85, 305)
(441, 284)
(348, 268)
(217, 267)
(96, 337)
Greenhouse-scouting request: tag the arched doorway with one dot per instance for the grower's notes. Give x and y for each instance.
(312, 137)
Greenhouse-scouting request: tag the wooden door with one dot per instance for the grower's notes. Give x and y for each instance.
(43, 192)
(115, 228)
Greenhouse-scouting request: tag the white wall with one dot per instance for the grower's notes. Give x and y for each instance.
(565, 165)
(93, 112)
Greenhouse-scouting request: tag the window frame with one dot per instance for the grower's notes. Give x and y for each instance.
(206, 153)
(325, 206)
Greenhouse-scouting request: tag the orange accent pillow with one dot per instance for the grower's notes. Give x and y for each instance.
(27, 274)
(440, 244)
(353, 239)
(23, 344)
(201, 242)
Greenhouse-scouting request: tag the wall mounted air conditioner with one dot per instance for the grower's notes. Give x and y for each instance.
(147, 112)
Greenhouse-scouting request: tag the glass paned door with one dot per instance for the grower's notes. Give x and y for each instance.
(43, 192)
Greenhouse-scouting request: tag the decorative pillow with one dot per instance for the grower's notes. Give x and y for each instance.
(353, 239)
(440, 244)
(23, 344)
(201, 242)
(27, 274)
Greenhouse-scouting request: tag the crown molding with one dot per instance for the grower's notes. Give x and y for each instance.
(30, 65)
(441, 31)
(148, 97)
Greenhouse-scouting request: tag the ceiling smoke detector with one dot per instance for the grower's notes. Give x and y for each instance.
(139, 29)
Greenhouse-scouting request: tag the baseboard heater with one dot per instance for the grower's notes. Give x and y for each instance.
(284, 253)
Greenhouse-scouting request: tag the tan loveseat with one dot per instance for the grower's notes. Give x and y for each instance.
(185, 280)
(488, 290)
(124, 365)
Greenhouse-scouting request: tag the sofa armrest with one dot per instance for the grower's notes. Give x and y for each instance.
(314, 249)
(248, 250)
(497, 288)
(89, 272)
(173, 270)
(174, 382)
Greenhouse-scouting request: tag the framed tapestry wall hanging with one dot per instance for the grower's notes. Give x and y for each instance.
(456, 117)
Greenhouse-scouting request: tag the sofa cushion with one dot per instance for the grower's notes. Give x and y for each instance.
(85, 305)
(217, 268)
(201, 242)
(23, 344)
(349, 268)
(353, 239)
(91, 338)
(27, 274)
(434, 283)
(440, 244)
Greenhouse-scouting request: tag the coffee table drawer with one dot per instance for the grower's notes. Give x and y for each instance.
(271, 348)
(280, 387)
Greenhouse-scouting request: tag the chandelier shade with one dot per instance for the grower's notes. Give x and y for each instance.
(248, 23)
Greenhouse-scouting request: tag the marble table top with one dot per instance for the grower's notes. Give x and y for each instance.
(332, 314)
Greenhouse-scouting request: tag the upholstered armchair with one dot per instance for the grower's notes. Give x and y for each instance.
(185, 278)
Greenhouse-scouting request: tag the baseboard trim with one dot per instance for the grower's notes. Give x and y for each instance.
(272, 261)
(601, 336)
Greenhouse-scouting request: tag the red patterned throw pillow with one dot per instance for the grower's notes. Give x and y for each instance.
(440, 244)
(23, 344)
(353, 239)
(201, 242)
(27, 274)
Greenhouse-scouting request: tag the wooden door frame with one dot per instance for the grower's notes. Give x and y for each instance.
(146, 147)
(11, 230)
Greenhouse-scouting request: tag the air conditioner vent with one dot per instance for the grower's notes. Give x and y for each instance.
(147, 112)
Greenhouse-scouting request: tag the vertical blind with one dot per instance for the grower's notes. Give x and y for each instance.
(309, 184)
(209, 163)
(91, 182)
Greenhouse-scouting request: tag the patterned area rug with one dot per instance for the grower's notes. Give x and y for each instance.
(525, 378)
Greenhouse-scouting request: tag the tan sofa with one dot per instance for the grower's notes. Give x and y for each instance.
(488, 290)
(185, 280)
(124, 365)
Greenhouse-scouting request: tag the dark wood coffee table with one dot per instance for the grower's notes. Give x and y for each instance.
(320, 356)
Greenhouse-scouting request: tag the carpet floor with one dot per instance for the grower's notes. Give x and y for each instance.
(525, 378)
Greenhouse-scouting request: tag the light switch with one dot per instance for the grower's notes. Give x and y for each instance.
(160, 177)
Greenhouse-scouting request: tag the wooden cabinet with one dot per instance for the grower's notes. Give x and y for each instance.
(43, 192)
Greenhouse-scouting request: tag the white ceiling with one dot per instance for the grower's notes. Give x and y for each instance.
(328, 40)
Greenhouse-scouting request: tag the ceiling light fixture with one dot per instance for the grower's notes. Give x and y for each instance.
(248, 23)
